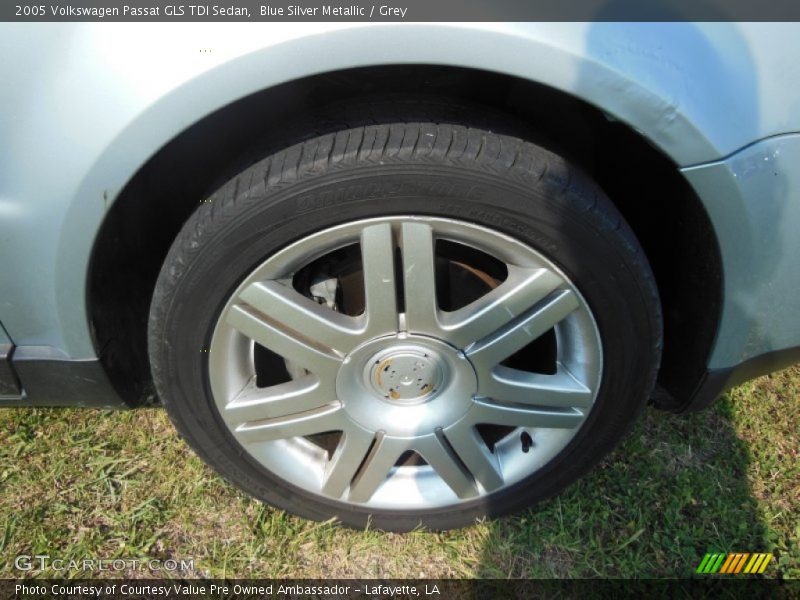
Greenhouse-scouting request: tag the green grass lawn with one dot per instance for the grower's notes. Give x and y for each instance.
(88, 484)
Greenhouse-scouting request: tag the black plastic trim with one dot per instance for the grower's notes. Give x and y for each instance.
(718, 381)
(49, 379)
(9, 383)
(10, 389)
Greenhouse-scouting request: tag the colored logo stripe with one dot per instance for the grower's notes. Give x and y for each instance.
(758, 563)
(711, 563)
(728, 562)
(734, 562)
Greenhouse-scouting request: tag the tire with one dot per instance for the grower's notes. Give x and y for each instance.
(375, 198)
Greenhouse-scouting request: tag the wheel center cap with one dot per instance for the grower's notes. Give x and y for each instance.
(406, 375)
(406, 385)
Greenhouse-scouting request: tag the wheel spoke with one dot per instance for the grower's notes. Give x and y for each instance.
(419, 280)
(346, 459)
(490, 413)
(375, 469)
(321, 420)
(377, 259)
(296, 396)
(561, 390)
(475, 455)
(294, 313)
(522, 289)
(301, 351)
(489, 351)
(442, 458)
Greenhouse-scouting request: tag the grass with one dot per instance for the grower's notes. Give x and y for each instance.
(78, 484)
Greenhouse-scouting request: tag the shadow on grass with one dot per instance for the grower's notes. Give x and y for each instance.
(674, 490)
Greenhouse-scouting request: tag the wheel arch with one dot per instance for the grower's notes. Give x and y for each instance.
(643, 182)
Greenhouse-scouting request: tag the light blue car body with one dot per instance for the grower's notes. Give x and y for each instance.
(84, 106)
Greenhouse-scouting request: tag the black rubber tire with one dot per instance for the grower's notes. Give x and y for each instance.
(429, 169)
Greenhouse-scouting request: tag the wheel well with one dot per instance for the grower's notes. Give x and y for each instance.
(667, 217)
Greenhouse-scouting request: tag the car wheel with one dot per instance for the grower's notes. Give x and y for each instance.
(408, 324)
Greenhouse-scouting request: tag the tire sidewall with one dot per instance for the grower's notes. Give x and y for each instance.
(604, 265)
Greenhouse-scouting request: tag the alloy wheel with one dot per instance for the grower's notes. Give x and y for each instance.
(379, 393)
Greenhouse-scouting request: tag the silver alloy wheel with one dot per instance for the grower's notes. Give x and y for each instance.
(419, 381)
